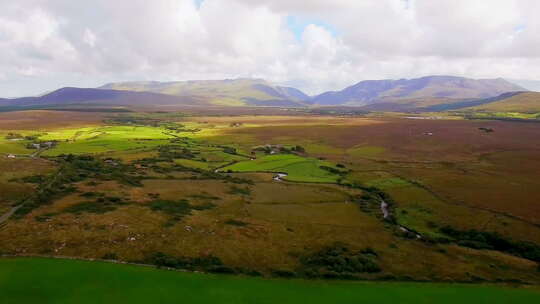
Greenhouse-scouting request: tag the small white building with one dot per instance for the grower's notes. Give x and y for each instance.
(10, 156)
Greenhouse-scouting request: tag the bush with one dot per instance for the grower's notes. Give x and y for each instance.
(298, 149)
(34, 179)
(177, 209)
(229, 150)
(283, 273)
(198, 263)
(491, 240)
(337, 260)
(109, 256)
(240, 191)
(221, 269)
(236, 223)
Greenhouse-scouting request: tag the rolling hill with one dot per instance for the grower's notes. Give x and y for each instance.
(421, 92)
(430, 93)
(235, 92)
(524, 102)
(99, 97)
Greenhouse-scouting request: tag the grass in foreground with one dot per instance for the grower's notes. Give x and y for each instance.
(39, 280)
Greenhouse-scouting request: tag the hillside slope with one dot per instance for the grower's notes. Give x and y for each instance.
(414, 93)
(522, 102)
(98, 97)
(256, 92)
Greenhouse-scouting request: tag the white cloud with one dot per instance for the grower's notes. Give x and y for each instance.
(51, 43)
(89, 38)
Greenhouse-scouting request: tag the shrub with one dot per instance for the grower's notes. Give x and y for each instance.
(337, 260)
(283, 273)
(236, 223)
(190, 263)
(240, 191)
(110, 256)
(491, 240)
(177, 209)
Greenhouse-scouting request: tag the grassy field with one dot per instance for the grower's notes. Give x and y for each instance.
(104, 139)
(299, 169)
(37, 280)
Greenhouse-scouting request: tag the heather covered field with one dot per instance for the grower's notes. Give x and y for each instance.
(199, 193)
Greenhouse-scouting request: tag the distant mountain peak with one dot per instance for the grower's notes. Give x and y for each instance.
(401, 91)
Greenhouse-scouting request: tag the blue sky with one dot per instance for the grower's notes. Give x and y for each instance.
(298, 24)
(198, 2)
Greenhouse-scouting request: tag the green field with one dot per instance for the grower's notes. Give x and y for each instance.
(104, 139)
(299, 169)
(15, 147)
(40, 280)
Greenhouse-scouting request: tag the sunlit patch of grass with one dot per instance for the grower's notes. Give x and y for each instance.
(298, 168)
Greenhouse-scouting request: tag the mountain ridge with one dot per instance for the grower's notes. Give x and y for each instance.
(72, 95)
(436, 93)
(241, 91)
(369, 92)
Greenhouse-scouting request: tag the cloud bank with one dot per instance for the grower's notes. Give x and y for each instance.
(315, 45)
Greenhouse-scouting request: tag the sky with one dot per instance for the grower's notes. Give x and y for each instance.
(314, 45)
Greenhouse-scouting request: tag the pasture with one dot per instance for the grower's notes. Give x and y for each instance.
(104, 139)
(297, 168)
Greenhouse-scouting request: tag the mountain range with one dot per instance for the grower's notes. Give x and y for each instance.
(425, 93)
(232, 92)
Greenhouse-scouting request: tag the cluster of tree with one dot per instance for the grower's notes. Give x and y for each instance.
(372, 198)
(229, 150)
(234, 222)
(333, 170)
(493, 241)
(268, 149)
(338, 261)
(161, 259)
(13, 136)
(208, 264)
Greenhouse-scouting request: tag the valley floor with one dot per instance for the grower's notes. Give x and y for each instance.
(199, 193)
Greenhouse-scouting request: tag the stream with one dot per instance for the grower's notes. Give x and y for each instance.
(280, 176)
(386, 214)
